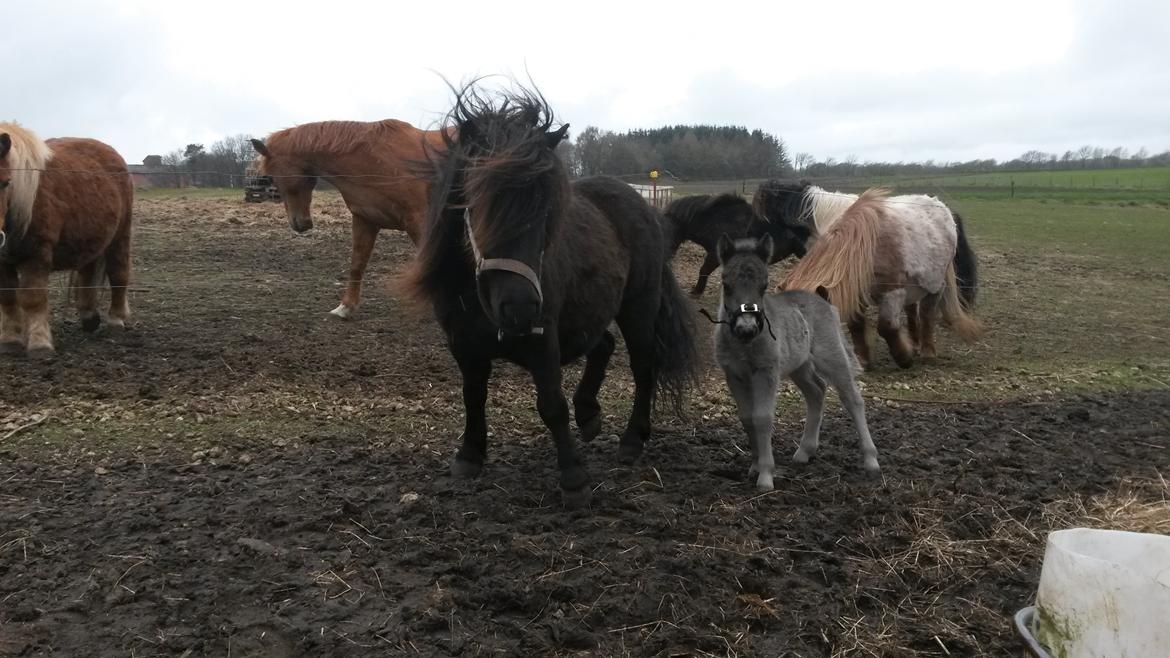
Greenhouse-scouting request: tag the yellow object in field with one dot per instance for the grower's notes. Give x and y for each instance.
(654, 174)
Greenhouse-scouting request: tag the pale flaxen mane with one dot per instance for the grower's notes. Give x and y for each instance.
(842, 260)
(334, 137)
(826, 207)
(28, 156)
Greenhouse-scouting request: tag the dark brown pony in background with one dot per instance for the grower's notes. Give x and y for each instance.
(67, 205)
(373, 165)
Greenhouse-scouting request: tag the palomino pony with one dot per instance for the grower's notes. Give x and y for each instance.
(519, 264)
(702, 218)
(66, 204)
(372, 164)
(897, 254)
(765, 338)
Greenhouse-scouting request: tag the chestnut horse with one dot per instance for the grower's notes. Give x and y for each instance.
(373, 165)
(897, 254)
(67, 205)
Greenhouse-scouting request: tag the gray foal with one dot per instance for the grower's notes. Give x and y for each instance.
(763, 338)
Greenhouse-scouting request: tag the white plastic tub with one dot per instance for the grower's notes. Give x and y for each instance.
(1103, 593)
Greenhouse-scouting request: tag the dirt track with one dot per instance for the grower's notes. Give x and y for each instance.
(240, 475)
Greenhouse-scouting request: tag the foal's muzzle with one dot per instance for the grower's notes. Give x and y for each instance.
(747, 321)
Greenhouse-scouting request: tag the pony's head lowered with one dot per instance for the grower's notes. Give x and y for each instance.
(501, 183)
(745, 282)
(22, 157)
(783, 204)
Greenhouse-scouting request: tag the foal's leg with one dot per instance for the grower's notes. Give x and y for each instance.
(890, 328)
(364, 235)
(87, 296)
(554, 411)
(11, 317)
(755, 399)
(859, 332)
(585, 405)
(812, 387)
(472, 453)
(928, 311)
(840, 375)
(710, 264)
(118, 271)
(33, 297)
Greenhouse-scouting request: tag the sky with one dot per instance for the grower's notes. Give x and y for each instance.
(878, 81)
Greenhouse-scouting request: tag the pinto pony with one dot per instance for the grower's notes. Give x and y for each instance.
(897, 255)
(67, 205)
(520, 264)
(372, 164)
(703, 218)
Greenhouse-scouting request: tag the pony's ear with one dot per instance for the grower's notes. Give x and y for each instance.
(764, 248)
(725, 248)
(260, 147)
(554, 138)
(5, 144)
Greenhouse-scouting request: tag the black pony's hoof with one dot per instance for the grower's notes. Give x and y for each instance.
(628, 453)
(590, 429)
(12, 348)
(466, 469)
(91, 324)
(576, 498)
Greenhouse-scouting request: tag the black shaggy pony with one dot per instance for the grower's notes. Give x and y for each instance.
(520, 264)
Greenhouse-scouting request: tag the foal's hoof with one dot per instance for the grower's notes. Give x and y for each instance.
(872, 470)
(576, 498)
(590, 428)
(462, 468)
(91, 324)
(801, 457)
(628, 453)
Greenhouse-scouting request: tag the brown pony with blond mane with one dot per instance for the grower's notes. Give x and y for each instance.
(67, 205)
(372, 164)
(897, 255)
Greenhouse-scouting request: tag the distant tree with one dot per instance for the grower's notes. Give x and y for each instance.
(802, 160)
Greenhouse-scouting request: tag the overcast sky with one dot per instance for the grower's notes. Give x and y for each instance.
(877, 80)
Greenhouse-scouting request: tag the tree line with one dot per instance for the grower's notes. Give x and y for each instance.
(223, 164)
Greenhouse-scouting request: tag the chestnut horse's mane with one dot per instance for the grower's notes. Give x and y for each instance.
(28, 156)
(335, 137)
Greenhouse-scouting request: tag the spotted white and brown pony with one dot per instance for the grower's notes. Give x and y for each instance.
(67, 205)
(897, 253)
(372, 163)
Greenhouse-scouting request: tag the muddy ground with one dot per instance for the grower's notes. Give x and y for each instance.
(238, 474)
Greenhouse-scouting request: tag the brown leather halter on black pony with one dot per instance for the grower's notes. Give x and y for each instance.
(504, 265)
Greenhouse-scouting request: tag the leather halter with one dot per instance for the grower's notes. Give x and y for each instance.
(503, 264)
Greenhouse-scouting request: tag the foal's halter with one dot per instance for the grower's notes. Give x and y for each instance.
(504, 265)
(744, 309)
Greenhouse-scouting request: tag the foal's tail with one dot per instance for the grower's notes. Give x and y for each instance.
(676, 355)
(841, 261)
(954, 311)
(965, 266)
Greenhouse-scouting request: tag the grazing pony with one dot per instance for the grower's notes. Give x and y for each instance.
(372, 164)
(702, 218)
(520, 264)
(762, 339)
(67, 205)
(899, 255)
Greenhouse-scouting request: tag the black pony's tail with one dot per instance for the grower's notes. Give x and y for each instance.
(966, 267)
(675, 231)
(676, 354)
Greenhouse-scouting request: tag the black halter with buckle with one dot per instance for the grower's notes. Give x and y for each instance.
(744, 309)
(512, 265)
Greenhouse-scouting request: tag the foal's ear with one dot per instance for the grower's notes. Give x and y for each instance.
(554, 138)
(260, 147)
(724, 249)
(764, 248)
(5, 144)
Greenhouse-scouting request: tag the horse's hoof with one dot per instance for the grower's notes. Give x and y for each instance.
(871, 468)
(114, 324)
(628, 453)
(41, 352)
(801, 457)
(91, 324)
(462, 468)
(342, 311)
(590, 429)
(12, 348)
(764, 483)
(576, 498)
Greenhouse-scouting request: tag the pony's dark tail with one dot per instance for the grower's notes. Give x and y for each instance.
(675, 232)
(966, 267)
(676, 354)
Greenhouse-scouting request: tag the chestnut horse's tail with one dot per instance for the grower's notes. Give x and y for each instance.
(841, 261)
(954, 309)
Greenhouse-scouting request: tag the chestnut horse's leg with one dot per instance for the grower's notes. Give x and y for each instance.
(33, 297)
(473, 452)
(586, 408)
(710, 264)
(928, 314)
(545, 366)
(87, 295)
(891, 329)
(364, 235)
(859, 333)
(11, 317)
(118, 271)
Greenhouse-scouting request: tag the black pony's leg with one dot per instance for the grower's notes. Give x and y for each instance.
(545, 366)
(638, 330)
(585, 405)
(469, 460)
(710, 264)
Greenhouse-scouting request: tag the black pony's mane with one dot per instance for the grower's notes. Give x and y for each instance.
(499, 155)
(779, 200)
(684, 210)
